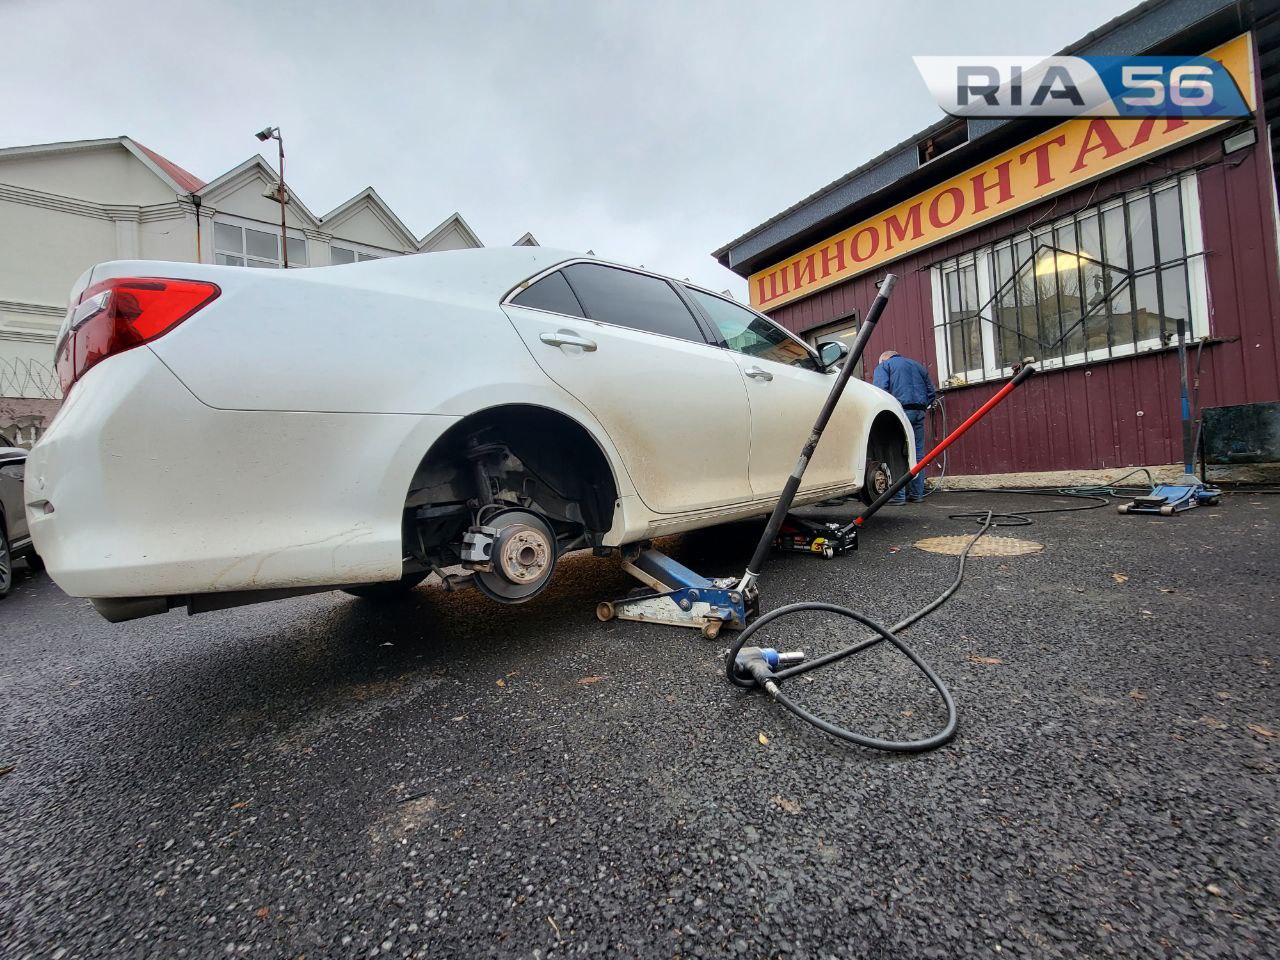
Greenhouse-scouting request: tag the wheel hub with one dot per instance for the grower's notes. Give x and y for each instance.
(523, 554)
(522, 558)
(880, 478)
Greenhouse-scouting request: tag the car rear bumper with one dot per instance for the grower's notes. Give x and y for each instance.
(140, 490)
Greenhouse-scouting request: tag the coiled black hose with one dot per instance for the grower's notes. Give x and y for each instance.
(771, 684)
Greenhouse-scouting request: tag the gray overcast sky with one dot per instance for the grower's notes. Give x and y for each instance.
(650, 132)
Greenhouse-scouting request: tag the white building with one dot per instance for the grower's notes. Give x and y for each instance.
(67, 206)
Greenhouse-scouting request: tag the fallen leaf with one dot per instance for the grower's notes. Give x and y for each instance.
(1137, 695)
(458, 834)
(1264, 661)
(1166, 589)
(514, 673)
(1213, 723)
(240, 806)
(554, 927)
(456, 719)
(8, 769)
(989, 661)
(1260, 730)
(1119, 578)
(764, 741)
(1216, 890)
(586, 680)
(502, 683)
(906, 713)
(261, 912)
(1223, 695)
(790, 806)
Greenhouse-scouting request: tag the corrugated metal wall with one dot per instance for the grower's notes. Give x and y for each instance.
(1121, 412)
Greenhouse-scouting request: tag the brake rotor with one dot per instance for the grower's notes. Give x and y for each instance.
(523, 557)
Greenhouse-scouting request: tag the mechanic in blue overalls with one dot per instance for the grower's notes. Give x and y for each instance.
(910, 385)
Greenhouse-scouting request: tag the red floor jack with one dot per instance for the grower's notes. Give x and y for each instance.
(801, 535)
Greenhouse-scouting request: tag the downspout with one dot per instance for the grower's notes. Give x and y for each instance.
(196, 201)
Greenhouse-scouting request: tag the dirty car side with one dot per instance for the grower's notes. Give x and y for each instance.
(354, 426)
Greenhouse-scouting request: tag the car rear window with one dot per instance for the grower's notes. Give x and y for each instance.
(633, 300)
(552, 293)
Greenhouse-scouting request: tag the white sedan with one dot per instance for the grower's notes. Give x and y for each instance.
(232, 435)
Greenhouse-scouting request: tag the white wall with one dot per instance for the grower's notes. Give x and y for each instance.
(62, 212)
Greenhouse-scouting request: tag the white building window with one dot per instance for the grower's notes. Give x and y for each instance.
(1111, 280)
(241, 245)
(339, 253)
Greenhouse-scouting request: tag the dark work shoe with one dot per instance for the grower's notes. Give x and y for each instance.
(896, 502)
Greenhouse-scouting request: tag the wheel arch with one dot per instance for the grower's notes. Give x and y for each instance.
(889, 439)
(535, 423)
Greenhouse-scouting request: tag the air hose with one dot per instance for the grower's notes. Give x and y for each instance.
(753, 666)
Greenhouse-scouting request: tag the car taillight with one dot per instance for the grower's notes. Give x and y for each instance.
(124, 312)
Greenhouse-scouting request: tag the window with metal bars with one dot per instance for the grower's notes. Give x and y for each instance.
(1111, 280)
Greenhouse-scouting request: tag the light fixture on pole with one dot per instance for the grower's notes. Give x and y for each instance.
(273, 133)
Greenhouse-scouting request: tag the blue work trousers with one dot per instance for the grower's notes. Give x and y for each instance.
(915, 489)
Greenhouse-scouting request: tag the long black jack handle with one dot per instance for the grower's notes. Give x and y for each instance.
(783, 505)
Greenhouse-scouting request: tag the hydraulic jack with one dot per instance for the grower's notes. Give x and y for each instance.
(675, 595)
(825, 539)
(1167, 499)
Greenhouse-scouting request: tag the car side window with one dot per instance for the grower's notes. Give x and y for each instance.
(552, 293)
(633, 300)
(746, 333)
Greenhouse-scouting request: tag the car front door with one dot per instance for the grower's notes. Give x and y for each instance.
(626, 346)
(786, 389)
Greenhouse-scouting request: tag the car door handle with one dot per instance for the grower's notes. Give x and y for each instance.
(755, 373)
(565, 338)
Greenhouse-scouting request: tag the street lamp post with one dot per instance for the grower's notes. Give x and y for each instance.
(273, 133)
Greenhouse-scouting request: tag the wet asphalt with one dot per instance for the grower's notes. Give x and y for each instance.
(445, 777)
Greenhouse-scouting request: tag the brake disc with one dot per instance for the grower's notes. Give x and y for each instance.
(522, 559)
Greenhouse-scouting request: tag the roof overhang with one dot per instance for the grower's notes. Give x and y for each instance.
(1154, 27)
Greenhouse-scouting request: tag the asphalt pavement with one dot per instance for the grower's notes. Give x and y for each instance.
(445, 777)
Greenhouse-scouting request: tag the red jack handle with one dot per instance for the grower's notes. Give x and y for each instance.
(947, 441)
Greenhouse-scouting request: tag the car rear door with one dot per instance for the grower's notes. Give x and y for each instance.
(786, 390)
(628, 348)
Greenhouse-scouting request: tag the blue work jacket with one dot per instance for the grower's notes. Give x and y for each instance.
(907, 380)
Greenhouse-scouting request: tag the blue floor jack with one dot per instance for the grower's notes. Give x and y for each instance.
(677, 596)
(1167, 499)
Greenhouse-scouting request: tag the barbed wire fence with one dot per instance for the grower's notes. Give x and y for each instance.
(25, 380)
(29, 380)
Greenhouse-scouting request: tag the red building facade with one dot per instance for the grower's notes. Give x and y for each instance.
(1109, 269)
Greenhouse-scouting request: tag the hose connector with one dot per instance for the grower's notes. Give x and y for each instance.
(758, 663)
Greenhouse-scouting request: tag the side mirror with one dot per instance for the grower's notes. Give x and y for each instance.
(832, 352)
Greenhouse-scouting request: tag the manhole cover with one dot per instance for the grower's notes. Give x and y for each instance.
(988, 546)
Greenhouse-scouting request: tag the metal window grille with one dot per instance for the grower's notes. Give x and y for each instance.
(1111, 280)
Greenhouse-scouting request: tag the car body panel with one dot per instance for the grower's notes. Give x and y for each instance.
(155, 493)
(675, 411)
